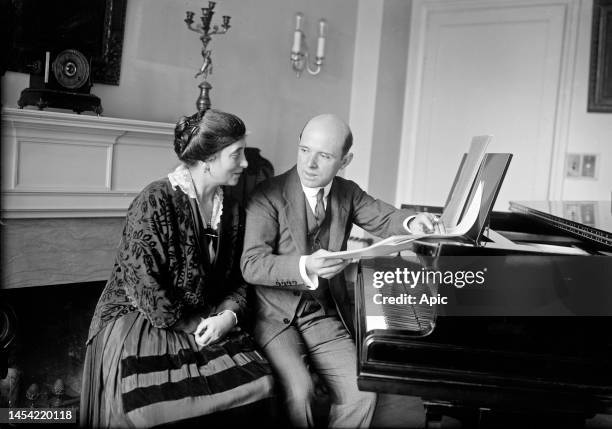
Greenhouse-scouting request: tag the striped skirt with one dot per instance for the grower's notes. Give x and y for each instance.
(136, 375)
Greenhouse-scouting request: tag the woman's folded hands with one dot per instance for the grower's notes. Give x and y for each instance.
(214, 328)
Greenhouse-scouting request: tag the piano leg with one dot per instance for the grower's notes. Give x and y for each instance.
(433, 421)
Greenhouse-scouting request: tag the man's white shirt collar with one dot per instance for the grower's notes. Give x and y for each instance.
(312, 192)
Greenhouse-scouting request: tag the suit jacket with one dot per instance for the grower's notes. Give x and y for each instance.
(275, 238)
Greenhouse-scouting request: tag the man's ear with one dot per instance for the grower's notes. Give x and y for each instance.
(346, 160)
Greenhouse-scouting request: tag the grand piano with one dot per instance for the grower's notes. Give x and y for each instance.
(529, 347)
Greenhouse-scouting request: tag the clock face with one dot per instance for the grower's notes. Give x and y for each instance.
(71, 69)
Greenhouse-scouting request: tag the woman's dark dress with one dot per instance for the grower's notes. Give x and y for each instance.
(143, 367)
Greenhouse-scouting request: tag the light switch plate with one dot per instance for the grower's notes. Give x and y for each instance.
(589, 166)
(572, 165)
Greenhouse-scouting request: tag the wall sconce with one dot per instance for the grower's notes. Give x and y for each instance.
(299, 50)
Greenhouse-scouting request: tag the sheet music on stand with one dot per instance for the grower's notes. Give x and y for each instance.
(461, 213)
(464, 181)
(491, 174)
(469, 203)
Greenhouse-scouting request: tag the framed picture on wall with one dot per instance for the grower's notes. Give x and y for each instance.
(93, 27)
(600, 75)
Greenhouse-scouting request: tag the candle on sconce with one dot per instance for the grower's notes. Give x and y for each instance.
(189, 18)
(297, 34)
(226, 22)
(322, 28)
(297, 42)
(298, 21)
(321, 39)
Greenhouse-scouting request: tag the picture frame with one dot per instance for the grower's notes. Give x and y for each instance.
(600, 74)
(95, 28)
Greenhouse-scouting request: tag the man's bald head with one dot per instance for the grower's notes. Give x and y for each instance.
(333, 127)
(323, 150)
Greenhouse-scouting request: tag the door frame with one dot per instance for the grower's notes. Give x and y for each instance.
(421, 9)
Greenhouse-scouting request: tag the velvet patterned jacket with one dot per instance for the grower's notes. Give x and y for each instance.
(160, 269)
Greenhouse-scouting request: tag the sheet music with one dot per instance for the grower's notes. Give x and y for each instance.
(398, 243)
(461, 190)
(491, 174)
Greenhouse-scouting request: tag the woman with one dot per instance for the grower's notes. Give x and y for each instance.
(164, 344)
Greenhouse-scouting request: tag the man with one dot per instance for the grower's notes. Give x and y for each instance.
(301, 299)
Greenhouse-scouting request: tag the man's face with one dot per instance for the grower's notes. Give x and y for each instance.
(320, 156)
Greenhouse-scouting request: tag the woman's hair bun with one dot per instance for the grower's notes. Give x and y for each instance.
(200, 136)
(183, 133)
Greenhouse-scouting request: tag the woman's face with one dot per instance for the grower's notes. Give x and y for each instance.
(228, 164)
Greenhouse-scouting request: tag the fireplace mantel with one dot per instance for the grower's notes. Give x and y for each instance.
(68, 165)
(67, 181)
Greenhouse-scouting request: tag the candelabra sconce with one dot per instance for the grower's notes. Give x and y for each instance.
(300, 59)
(204, 28)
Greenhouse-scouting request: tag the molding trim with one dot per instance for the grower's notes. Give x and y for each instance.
(412, 97)
(565, 97)
(65, 204)
(364, 87)
(74, 121)
(68, 213)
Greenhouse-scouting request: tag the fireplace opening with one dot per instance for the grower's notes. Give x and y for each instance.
(43, 363)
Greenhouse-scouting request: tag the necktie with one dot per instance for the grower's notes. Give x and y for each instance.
(320, 208)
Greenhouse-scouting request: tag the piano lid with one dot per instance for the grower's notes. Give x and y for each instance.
(591, 220)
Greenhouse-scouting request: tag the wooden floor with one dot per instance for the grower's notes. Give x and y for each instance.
(396, 411)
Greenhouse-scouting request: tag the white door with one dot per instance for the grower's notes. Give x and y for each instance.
(484, 67)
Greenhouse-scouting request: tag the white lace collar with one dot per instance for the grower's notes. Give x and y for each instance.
(181, 178)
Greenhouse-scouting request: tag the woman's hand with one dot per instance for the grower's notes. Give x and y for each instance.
(214, 328)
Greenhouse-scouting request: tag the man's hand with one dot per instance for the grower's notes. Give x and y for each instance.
(214, 328)
(426, 223)
(325, 268)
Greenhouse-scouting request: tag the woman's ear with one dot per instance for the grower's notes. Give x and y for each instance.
(204, 166)
(208, 162)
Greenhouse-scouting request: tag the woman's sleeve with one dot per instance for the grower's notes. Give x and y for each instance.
(235, 300)
(236, 294)
(143, 260)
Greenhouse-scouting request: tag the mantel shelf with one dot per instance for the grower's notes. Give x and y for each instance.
(58, 164)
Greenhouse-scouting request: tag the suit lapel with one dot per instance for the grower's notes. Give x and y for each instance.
(339, 212)
(294, 210)
(340, 208)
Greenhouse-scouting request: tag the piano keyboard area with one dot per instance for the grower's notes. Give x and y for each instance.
(414, 319)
